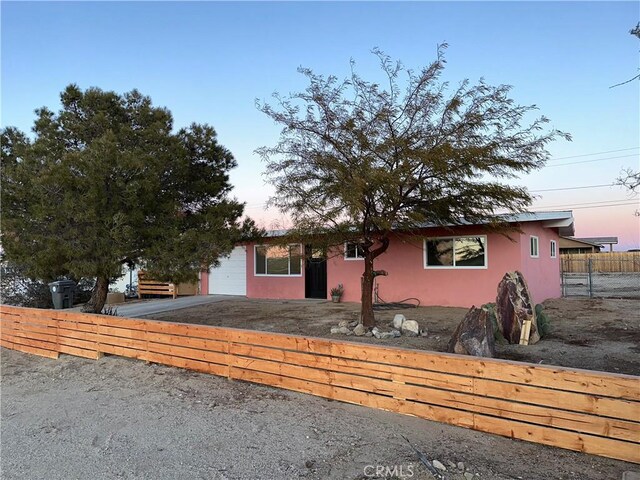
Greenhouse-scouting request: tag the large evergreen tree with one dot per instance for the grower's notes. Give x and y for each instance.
(105, 181)
(357, 159)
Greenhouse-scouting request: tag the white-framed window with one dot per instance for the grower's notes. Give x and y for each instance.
(353, 251)
(275, 260)
(554, 249)
(534, 247)
(456, 252)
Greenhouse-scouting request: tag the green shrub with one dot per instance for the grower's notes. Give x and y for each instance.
(544, 323)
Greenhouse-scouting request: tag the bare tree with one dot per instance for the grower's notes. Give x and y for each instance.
(357, 160)
(635, 31)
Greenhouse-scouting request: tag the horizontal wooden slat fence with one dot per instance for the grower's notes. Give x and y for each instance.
(148, 286)
(592, 412)
(604, 262)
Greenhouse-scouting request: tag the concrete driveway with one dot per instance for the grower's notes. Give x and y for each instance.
(153, 306)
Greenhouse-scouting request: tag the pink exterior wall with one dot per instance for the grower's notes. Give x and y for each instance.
(543, 273)
(277, 287)
(204, 283)
(404, 261)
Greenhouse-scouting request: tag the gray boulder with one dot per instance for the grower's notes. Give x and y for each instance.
(398, 320)
(474, 335)
(514, 307)
(340, 330)
(410, 328)
(359, 330)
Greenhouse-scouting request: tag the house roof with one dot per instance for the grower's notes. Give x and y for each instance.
(598, 240)
(571, 242)
(562, 220)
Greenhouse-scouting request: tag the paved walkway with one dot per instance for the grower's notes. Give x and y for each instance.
(145, 308)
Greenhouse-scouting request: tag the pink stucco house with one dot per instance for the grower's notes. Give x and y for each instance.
(457, 266)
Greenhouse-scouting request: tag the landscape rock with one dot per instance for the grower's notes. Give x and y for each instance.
(514, 307)
(340, 330)
(424, 333)
(385, 335)
(368, 334)
(461, 466)
(382, 334)
(439, 465)
(359, 330)
(398, 320)
(468, 475)
(474, 335)
(353, 323)
(343, 323)
(410, 328)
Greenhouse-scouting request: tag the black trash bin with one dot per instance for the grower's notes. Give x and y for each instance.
(62, 293)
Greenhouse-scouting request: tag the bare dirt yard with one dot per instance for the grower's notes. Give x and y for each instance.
(118, 418)
(598, 334)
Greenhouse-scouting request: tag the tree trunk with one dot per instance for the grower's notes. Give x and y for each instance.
(366, 309)
(98, 296)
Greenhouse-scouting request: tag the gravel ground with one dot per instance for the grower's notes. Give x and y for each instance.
(605, 285)
(118, 418)
(594, 334)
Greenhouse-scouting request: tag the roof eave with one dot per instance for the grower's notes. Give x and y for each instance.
(565, 227)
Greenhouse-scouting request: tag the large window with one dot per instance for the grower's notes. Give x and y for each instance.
(456, 252)
(353, 251)
(276, 260)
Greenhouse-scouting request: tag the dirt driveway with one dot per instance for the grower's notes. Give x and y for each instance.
(598, 334)
(118, 418)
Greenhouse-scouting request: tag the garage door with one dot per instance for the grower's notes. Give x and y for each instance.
(230, 278)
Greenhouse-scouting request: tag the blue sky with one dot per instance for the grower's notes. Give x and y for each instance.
(209, 61)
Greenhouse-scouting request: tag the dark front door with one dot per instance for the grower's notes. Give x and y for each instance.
(315, 273)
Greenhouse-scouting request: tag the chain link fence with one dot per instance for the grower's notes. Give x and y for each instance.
(601, 278)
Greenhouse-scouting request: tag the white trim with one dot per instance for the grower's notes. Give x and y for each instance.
(454, 267)
(279, 275)
(554, 249)
(349, 259)
(537, 242)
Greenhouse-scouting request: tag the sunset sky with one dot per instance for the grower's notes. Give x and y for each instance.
(209, 62)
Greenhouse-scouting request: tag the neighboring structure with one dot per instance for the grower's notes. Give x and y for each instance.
(456, 266)
(586, 245)
(601, 241)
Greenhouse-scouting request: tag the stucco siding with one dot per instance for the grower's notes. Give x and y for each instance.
(407, 277)
(542, 273)
(276, 287)
(404, 261)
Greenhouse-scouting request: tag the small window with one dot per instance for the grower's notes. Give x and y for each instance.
(534, 247)
(353, 251)
(278, 260)
(456, 252)
(553, 249)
